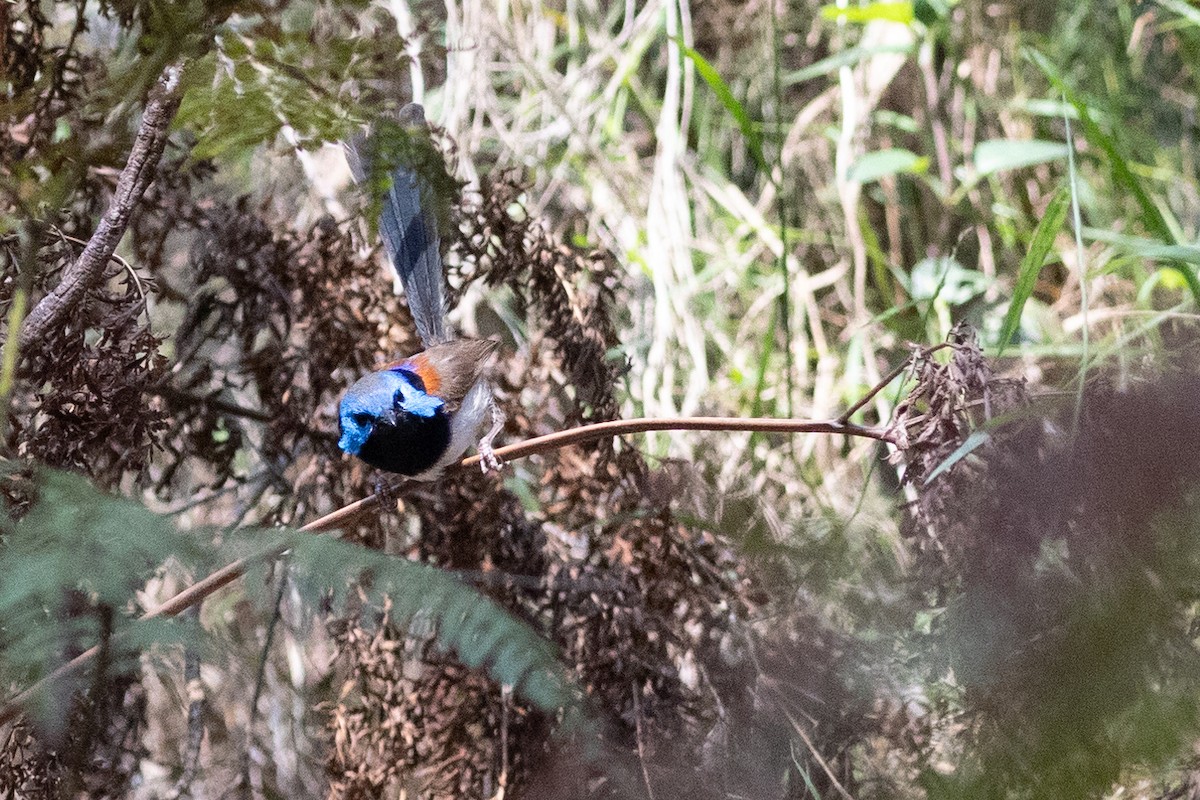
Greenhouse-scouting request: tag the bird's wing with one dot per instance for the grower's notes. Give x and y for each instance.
(449, 370)
(389, 162)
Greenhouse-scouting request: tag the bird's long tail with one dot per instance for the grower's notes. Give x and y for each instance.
(391, 162)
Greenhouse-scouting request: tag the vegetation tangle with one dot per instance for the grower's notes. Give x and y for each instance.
(848, 360)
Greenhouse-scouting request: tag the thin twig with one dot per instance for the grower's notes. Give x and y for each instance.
(195, 717)
(505, 713)
(87, 270)
(641, 749)
(621, 427)
(29, 234)
(812, 748)
(137, 281)
(1081, 265)
(880, 385)
(260, 680)
(93, 711)
(224, 406)
(172, 607)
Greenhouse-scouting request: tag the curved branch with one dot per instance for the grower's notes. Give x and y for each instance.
(87, 270)
(588, 433)
(621, 427)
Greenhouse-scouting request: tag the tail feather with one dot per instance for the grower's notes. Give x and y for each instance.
(407, 219)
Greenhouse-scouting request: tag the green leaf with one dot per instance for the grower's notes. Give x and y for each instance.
(1175, 274)
(1152, 215)
(1031, 265)
(80, 553)
(76, 537)
(882, 163)
(228, 114)
(998, 155)
(72, 568)
(1142, 247)
(243, 95)
(945, 279)
(1097, 137)
(465, 620)
(749, 128)
(977, 438)
(930, 12)
(844, 58)
(1188, 12)
(860, 15)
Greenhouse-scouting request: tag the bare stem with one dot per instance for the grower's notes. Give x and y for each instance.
(87, 270)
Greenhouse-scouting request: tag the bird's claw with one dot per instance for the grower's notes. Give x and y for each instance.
(488, 460)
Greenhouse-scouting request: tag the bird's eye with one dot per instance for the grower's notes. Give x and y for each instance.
(361, 418)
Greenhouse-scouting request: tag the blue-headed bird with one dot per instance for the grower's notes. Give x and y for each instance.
(418, 415)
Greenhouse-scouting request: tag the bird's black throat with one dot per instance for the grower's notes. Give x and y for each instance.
(410, 447)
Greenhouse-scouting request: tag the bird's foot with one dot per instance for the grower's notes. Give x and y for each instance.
(385, 493)
(488, 460)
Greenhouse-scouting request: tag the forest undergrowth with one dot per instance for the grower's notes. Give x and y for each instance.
(960, 235)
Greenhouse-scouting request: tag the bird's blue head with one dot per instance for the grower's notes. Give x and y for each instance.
(381, 399)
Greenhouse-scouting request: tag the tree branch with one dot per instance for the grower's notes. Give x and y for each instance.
(588, 433)
(87, 270)
(198, 591)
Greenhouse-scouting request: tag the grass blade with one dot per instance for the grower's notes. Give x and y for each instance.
(1095, 135)
(1152, 215)
(1031, 264)
(901, 12)
(715, 82)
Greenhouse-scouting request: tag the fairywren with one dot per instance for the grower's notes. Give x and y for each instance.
(418, 415)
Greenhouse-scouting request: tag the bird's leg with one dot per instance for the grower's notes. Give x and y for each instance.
(488, 461)
(385, 493)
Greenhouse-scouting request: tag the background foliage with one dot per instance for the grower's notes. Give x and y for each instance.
(739, 209)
